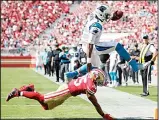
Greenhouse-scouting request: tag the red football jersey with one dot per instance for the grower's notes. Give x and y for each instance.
(81, 85)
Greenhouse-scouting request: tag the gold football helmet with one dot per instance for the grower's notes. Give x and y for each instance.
(97, 75)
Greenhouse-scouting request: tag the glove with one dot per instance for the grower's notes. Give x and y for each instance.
(145, 65)
(107, 117)
(117, 15)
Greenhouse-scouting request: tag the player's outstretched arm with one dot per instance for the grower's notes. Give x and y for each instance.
(94, 101)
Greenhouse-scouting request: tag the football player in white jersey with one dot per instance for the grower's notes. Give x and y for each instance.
(75, 55)
(98, 51)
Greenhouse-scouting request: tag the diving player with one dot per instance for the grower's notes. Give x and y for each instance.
(82, 85)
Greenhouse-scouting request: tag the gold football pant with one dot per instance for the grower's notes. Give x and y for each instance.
(57, 97)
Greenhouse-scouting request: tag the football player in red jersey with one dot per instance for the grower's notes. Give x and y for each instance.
(82, 85)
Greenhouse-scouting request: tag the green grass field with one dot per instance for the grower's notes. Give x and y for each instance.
(135, 90)
(75, 107)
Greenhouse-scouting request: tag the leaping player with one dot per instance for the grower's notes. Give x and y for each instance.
(98, 51)
(82, 85)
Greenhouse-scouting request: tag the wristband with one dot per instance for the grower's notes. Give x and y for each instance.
(88, 60)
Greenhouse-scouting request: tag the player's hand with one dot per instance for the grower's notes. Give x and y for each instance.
(117, 15)
(89, 65)
(107, 117)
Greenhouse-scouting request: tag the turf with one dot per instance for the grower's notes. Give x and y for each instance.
(135, 90)
(74, 107)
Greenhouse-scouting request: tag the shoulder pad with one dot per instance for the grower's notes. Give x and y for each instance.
(97, 25)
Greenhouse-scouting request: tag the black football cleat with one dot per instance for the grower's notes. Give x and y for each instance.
(14, 93)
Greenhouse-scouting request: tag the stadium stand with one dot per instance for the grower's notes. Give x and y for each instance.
(134, 20)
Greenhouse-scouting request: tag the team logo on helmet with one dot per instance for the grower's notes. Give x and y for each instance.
(103, 13)
(97, 75)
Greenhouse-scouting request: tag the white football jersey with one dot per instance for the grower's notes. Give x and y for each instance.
(75, 55)
(92, 31)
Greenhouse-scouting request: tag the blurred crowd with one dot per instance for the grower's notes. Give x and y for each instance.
(139, 18)
(23, 21)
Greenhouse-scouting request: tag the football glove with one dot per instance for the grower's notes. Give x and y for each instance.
(107, 117)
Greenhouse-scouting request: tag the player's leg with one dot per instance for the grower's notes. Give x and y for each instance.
(54, 99)
(125, 55)
(28, 92)
(111, 77)
(103, 59)
(29, 87)
(107, 47)
(115, 78)
(15, 92)
(36, 96)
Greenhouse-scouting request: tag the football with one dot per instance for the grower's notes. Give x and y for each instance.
(117, 15)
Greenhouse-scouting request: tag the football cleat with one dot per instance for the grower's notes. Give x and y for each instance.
(29, 87)
(14, 93)
(107, 117)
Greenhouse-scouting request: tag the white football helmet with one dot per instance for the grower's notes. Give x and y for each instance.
(103, 13)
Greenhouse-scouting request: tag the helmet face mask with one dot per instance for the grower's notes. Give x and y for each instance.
(103, 13)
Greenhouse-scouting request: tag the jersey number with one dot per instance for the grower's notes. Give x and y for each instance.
(79, 81)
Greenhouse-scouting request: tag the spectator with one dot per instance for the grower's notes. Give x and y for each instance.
(44, 58)
(56, 60)
(135, 53)
(77, 64)
(75, 55)
(50, 61)
(38, 61)
(113, 68)
(64, 56)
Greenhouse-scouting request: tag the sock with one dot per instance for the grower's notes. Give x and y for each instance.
(33, 95)
(36, 96)
(21, 93)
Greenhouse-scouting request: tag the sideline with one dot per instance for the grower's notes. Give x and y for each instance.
(119, 104)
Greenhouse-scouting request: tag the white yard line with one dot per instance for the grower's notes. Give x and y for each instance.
(33, 105)
(27, 118)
